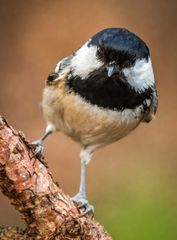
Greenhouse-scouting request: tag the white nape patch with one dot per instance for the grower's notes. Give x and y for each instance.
(140, 76)
(85, 61)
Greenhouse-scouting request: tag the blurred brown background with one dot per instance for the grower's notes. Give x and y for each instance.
(132, 183)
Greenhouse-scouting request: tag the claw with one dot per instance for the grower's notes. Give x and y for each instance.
(38, 147)
(83, 203)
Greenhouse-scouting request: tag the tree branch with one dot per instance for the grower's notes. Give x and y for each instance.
(26, 180)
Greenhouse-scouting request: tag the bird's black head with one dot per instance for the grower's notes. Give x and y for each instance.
(112, 49)
(112, 70)
(120, 46)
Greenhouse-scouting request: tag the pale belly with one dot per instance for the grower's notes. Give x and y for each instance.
(86, 123)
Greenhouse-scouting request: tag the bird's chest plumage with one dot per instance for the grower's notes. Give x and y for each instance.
(84, 121)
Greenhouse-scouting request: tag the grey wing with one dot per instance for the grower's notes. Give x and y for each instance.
(151, 111)
(61, 65)
(65, 62)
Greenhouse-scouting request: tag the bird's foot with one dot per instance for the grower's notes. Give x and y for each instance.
(83, 204)
(38, 147)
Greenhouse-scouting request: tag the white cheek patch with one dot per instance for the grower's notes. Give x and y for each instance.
(85, 61)
(140, 76)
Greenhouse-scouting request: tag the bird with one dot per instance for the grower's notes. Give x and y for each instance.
(99, 94)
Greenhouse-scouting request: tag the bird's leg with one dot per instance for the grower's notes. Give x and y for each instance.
(82, 188)
(85, 157)
(39, 142)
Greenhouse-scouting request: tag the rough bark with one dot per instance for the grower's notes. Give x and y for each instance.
(47, 211)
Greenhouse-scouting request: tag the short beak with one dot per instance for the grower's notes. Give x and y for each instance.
(110, 68)
(110, 71)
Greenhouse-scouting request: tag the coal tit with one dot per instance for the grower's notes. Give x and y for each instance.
(99, 94)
